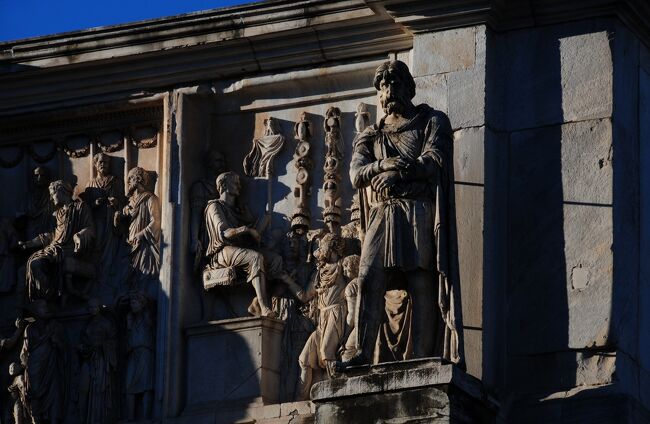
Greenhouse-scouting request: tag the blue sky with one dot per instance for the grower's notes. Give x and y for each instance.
(31, 18)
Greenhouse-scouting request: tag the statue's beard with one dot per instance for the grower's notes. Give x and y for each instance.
(393, 104)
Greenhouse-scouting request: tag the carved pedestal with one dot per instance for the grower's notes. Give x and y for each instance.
(415, 391)
(233, 368)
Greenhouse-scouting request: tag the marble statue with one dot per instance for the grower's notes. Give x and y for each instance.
(97, 387)
(73, 235)
(18, 394)
(45, 360)
(351, 272)
(140, 356)
(259, 161)
(327, 287)
(233, 240)
(142, 214)
(105, 195)
(403, 169)
(201, 192)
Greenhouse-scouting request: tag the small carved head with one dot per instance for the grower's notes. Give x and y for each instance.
(351, 266)
(41, 176)
(15, 369)
(60, 193)
(229, 183)
(215, 161)
(136, 179)
(330, 248)
(102, 163)
(395, 85)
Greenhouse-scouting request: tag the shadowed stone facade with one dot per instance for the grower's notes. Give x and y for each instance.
(547, 105)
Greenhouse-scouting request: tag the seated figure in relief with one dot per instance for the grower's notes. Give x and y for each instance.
(233, 239)
(328, 287)
(73, 234)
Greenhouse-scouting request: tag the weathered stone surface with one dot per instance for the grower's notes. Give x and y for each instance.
(469, 146)
(473, 339)
(467, 89)
(558, 74)
(444, 51)
(469, 218)
(419, 391)
(557, 234)
(236, 359)
(432, 90)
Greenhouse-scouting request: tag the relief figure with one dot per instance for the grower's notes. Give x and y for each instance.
(98, 364)
(140, 357)
(73, 236)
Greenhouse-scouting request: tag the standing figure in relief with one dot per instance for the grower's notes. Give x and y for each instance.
(39, 204)
(140, 357)
(74, 234)
(142, 214)
(17, 390)
(98, 364)
(44, 358)
(233, 239)
(201, 192)
(351, 271)
(328, 286)
(105, 195)
(403, 167)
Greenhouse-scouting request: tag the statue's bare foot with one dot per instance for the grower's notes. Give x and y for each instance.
(269, 313)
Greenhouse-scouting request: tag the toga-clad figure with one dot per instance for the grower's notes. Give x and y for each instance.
(403, 169)
(105, 195)
(44, 358)
(39, 204)
(142, 214)
(233, 241)
(74, 233)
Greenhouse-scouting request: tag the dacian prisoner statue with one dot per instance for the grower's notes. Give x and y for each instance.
(403, 169)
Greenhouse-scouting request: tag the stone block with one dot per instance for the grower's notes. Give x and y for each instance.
(432, 90)
(469, 146)
(557, 74)
(473, 339)
(234, 360)
(560, 241)
(416, 391)
(469, 220)
(443, 51)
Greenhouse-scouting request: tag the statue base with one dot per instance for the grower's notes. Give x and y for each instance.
(416, 391)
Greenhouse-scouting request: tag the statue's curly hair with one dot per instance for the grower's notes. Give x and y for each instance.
(395, 67)
(335, 242)
(58, 184)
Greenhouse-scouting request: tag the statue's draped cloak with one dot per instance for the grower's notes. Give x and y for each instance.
(259, 161)
(145, 221)
(411, 225)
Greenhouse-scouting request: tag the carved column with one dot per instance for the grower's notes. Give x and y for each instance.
(332, 179)
(300, 219)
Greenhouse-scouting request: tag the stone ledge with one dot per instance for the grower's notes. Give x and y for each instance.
(397, 376)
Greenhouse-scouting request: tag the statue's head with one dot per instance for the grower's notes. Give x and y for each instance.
(215, 162)
(60, 193)
(395, 85)
(330, 248)
(229, 183)
(136, 179)
(102, 163)
(41, 176)
(351, 266)
(15, 369)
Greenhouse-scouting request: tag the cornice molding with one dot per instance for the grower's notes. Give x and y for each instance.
(152, 56)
